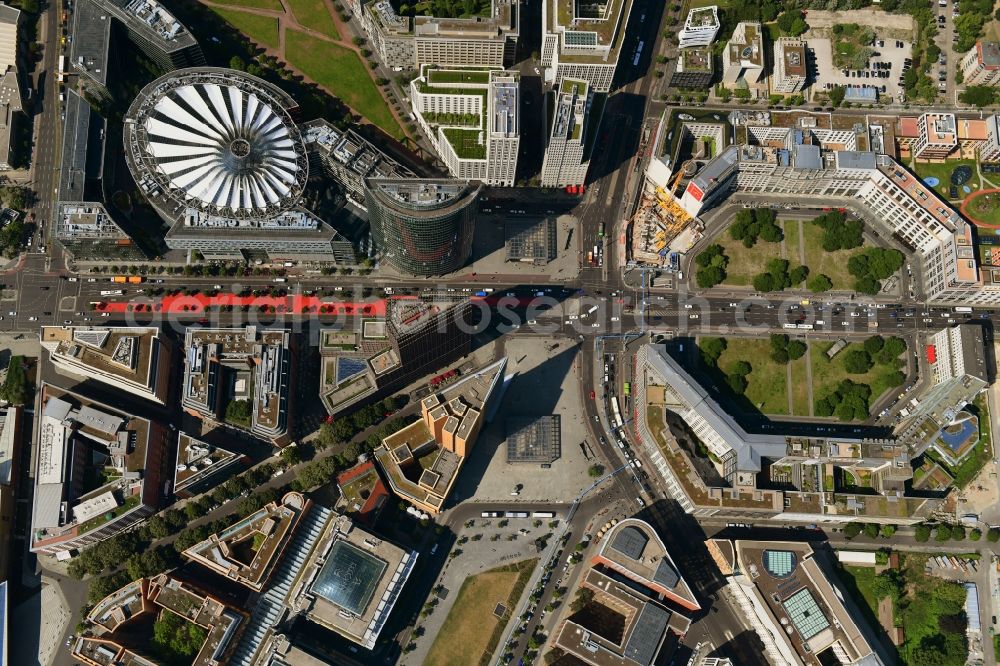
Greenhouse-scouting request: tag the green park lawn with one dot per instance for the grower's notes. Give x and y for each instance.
(942, 171)
(767, 385)
(745, 263)
(260, 29)
(344, 74)
(314, 15)
(471, 630)
(827, 373)
(800, 387)
(272, 5)
(831, 264)
(985, 208)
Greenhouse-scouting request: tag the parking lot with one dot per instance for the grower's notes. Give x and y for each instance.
(884, 69)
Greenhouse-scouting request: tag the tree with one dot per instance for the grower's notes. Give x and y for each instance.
(874, 344)
(887, 584)
(837, 95)
(16, 389)
(975, 535)
(583, 597)
(595, 471)
(238, 412)
(942, 533)
(175, 640)
(857, 362)
(819, 283)
(798, 275)
(292, 455)
(978, 96)
(796, 349)
(886, 531)
(871, 530)
(893, 348)
(922, 533)
(711, 349)
(993, 535)
(958, 533)
(787, 22)
(738, 383)
(712, 266)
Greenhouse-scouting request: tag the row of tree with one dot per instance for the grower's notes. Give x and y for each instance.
(757, 223)
(871, 266)
(779, 276)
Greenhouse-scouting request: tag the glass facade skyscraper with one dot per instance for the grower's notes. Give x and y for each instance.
(423, 226)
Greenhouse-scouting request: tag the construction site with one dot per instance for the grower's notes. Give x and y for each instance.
(661, 230)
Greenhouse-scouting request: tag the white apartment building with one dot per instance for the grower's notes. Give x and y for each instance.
(937, 136)
(566, 160)
(882, 191)
(584, 41)
(402, 41)
(789, 65)
(472, 118)
(743, 58)
(981, 65)
(989, 150)
(700, 27)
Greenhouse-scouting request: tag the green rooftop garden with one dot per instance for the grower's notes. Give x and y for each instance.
(130, 503)
(465, 143)
(480, 77)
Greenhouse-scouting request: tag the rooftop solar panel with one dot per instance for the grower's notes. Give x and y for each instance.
(349, 367)
(349, 577)
(577, 38)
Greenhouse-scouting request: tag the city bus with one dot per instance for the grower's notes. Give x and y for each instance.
(963, 309)
(543, 514)
(113, 292)
(615, 413)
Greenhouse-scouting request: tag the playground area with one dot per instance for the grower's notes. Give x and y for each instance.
(952, 180)
(983, 208)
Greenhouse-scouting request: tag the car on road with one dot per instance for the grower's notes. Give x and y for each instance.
(32, 318)
(595, 325)
(688, 306)
(67, 322)
(105, 314)
(693, 316)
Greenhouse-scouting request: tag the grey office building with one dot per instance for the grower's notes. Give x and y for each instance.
(423, 226)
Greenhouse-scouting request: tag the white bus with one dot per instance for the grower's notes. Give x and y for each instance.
(543, 514)
(963, 309)
(616, 414)
(113, 292)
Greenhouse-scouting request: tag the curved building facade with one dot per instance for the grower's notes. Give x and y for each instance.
(220, 141)
(423, 226)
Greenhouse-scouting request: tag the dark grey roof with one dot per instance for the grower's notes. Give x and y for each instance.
(666, 575)
(807, 156)
(973, 351)
(716, 169)
(647, 634)
(855, 159)
(91, 35)
(630, 542)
